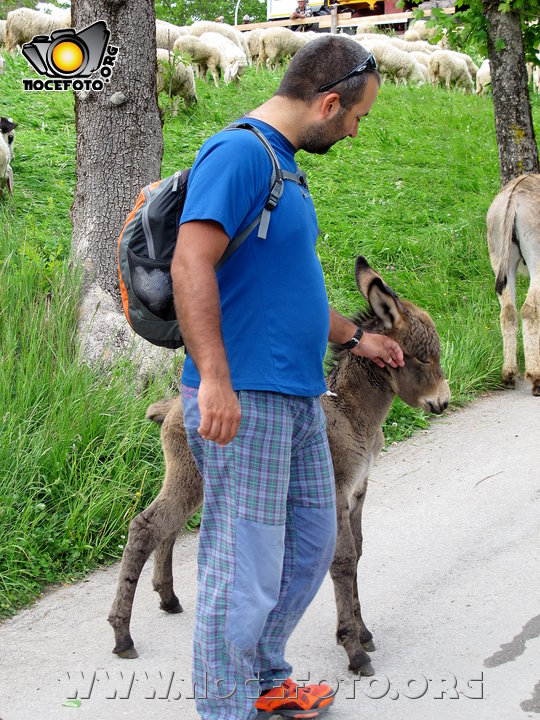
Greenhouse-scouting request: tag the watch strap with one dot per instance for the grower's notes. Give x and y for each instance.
(353, 342)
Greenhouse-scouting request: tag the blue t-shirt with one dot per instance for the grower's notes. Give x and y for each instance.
(274, 307)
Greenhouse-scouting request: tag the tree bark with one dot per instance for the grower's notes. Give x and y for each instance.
(119, 150)
(518, 152)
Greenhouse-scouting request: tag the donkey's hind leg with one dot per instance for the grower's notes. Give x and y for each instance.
(509, 324)
(530, 316)
(355, 519)
(162, 580)
(147, 530)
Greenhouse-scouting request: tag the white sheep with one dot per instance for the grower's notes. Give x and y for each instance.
(448, 66)
(472, 67)
(365, 27)
(205, 57)
(369, 36)
(412, 46)
(203, 26)
(167, 34)
(2, 65)
(2, 31)
(24, 24)
(483, 78)
(175, 77)
(425, 33)
(278, 43)
(7, 137)
(233, 59)
(536, 79)
(411, 35)
(252, 38)
(421, 57)
(394, 64)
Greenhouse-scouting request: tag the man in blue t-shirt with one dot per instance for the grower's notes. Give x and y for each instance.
(256, 333)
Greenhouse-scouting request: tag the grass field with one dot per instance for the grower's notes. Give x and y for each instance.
(77, 458)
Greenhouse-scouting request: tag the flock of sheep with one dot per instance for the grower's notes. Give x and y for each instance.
(413, 58)
(225, 52)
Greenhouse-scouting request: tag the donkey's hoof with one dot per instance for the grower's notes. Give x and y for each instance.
(369, 646)
(536, 388)
(129, 654)
(365, 670)
(172, 607)
(509, 379)
(361, 664)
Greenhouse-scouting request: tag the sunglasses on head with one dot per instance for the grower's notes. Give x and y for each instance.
(369, 64)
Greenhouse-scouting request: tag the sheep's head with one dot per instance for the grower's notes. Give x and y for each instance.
(231, 72)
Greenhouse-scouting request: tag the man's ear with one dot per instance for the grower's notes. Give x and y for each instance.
(330, 105)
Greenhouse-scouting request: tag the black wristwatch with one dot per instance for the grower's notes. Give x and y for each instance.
(353, 342)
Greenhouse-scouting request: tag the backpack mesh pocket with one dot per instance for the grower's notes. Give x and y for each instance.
(152, 284)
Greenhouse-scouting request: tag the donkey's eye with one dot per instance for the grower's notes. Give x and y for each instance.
(415, 359)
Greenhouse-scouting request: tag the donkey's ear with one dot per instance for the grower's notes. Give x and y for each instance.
(382, 299)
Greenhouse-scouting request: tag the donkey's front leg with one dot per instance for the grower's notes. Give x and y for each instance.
(355, 519)
(343, 573)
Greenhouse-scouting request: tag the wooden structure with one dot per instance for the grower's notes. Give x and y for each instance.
(343, 20)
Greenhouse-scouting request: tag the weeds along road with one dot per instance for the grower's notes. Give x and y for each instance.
(448, 582)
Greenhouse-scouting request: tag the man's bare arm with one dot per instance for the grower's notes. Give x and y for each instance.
(379, 348)
(196, 297)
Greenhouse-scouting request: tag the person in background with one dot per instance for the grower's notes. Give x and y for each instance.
(302, 11)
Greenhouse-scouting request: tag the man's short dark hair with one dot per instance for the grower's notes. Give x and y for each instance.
(322, 61)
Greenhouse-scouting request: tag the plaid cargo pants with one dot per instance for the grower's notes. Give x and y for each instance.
(267, 538)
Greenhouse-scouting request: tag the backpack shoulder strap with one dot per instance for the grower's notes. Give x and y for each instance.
(276, 190)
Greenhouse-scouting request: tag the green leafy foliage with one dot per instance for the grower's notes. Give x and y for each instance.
(186, 12)
(467, 28)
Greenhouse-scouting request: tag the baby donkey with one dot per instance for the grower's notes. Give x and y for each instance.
(359, 399)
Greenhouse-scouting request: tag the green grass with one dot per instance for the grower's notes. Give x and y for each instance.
(77, 458)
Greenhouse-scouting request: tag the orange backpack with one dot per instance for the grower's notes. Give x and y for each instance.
(148, 239)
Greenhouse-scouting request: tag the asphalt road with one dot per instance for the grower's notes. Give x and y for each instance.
(450, 585)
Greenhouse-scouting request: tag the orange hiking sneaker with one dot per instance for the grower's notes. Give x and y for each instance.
(293, 701)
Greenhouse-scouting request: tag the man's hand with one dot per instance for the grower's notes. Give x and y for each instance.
(220, 411)
(381, 349)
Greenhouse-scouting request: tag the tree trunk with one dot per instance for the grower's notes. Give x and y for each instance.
(119, 149)
(518, 152)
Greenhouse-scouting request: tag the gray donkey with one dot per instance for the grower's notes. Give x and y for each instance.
(359, 398)
(513, 224)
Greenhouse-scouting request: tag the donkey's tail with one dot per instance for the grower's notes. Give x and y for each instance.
(157, 412)
(508, 225)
